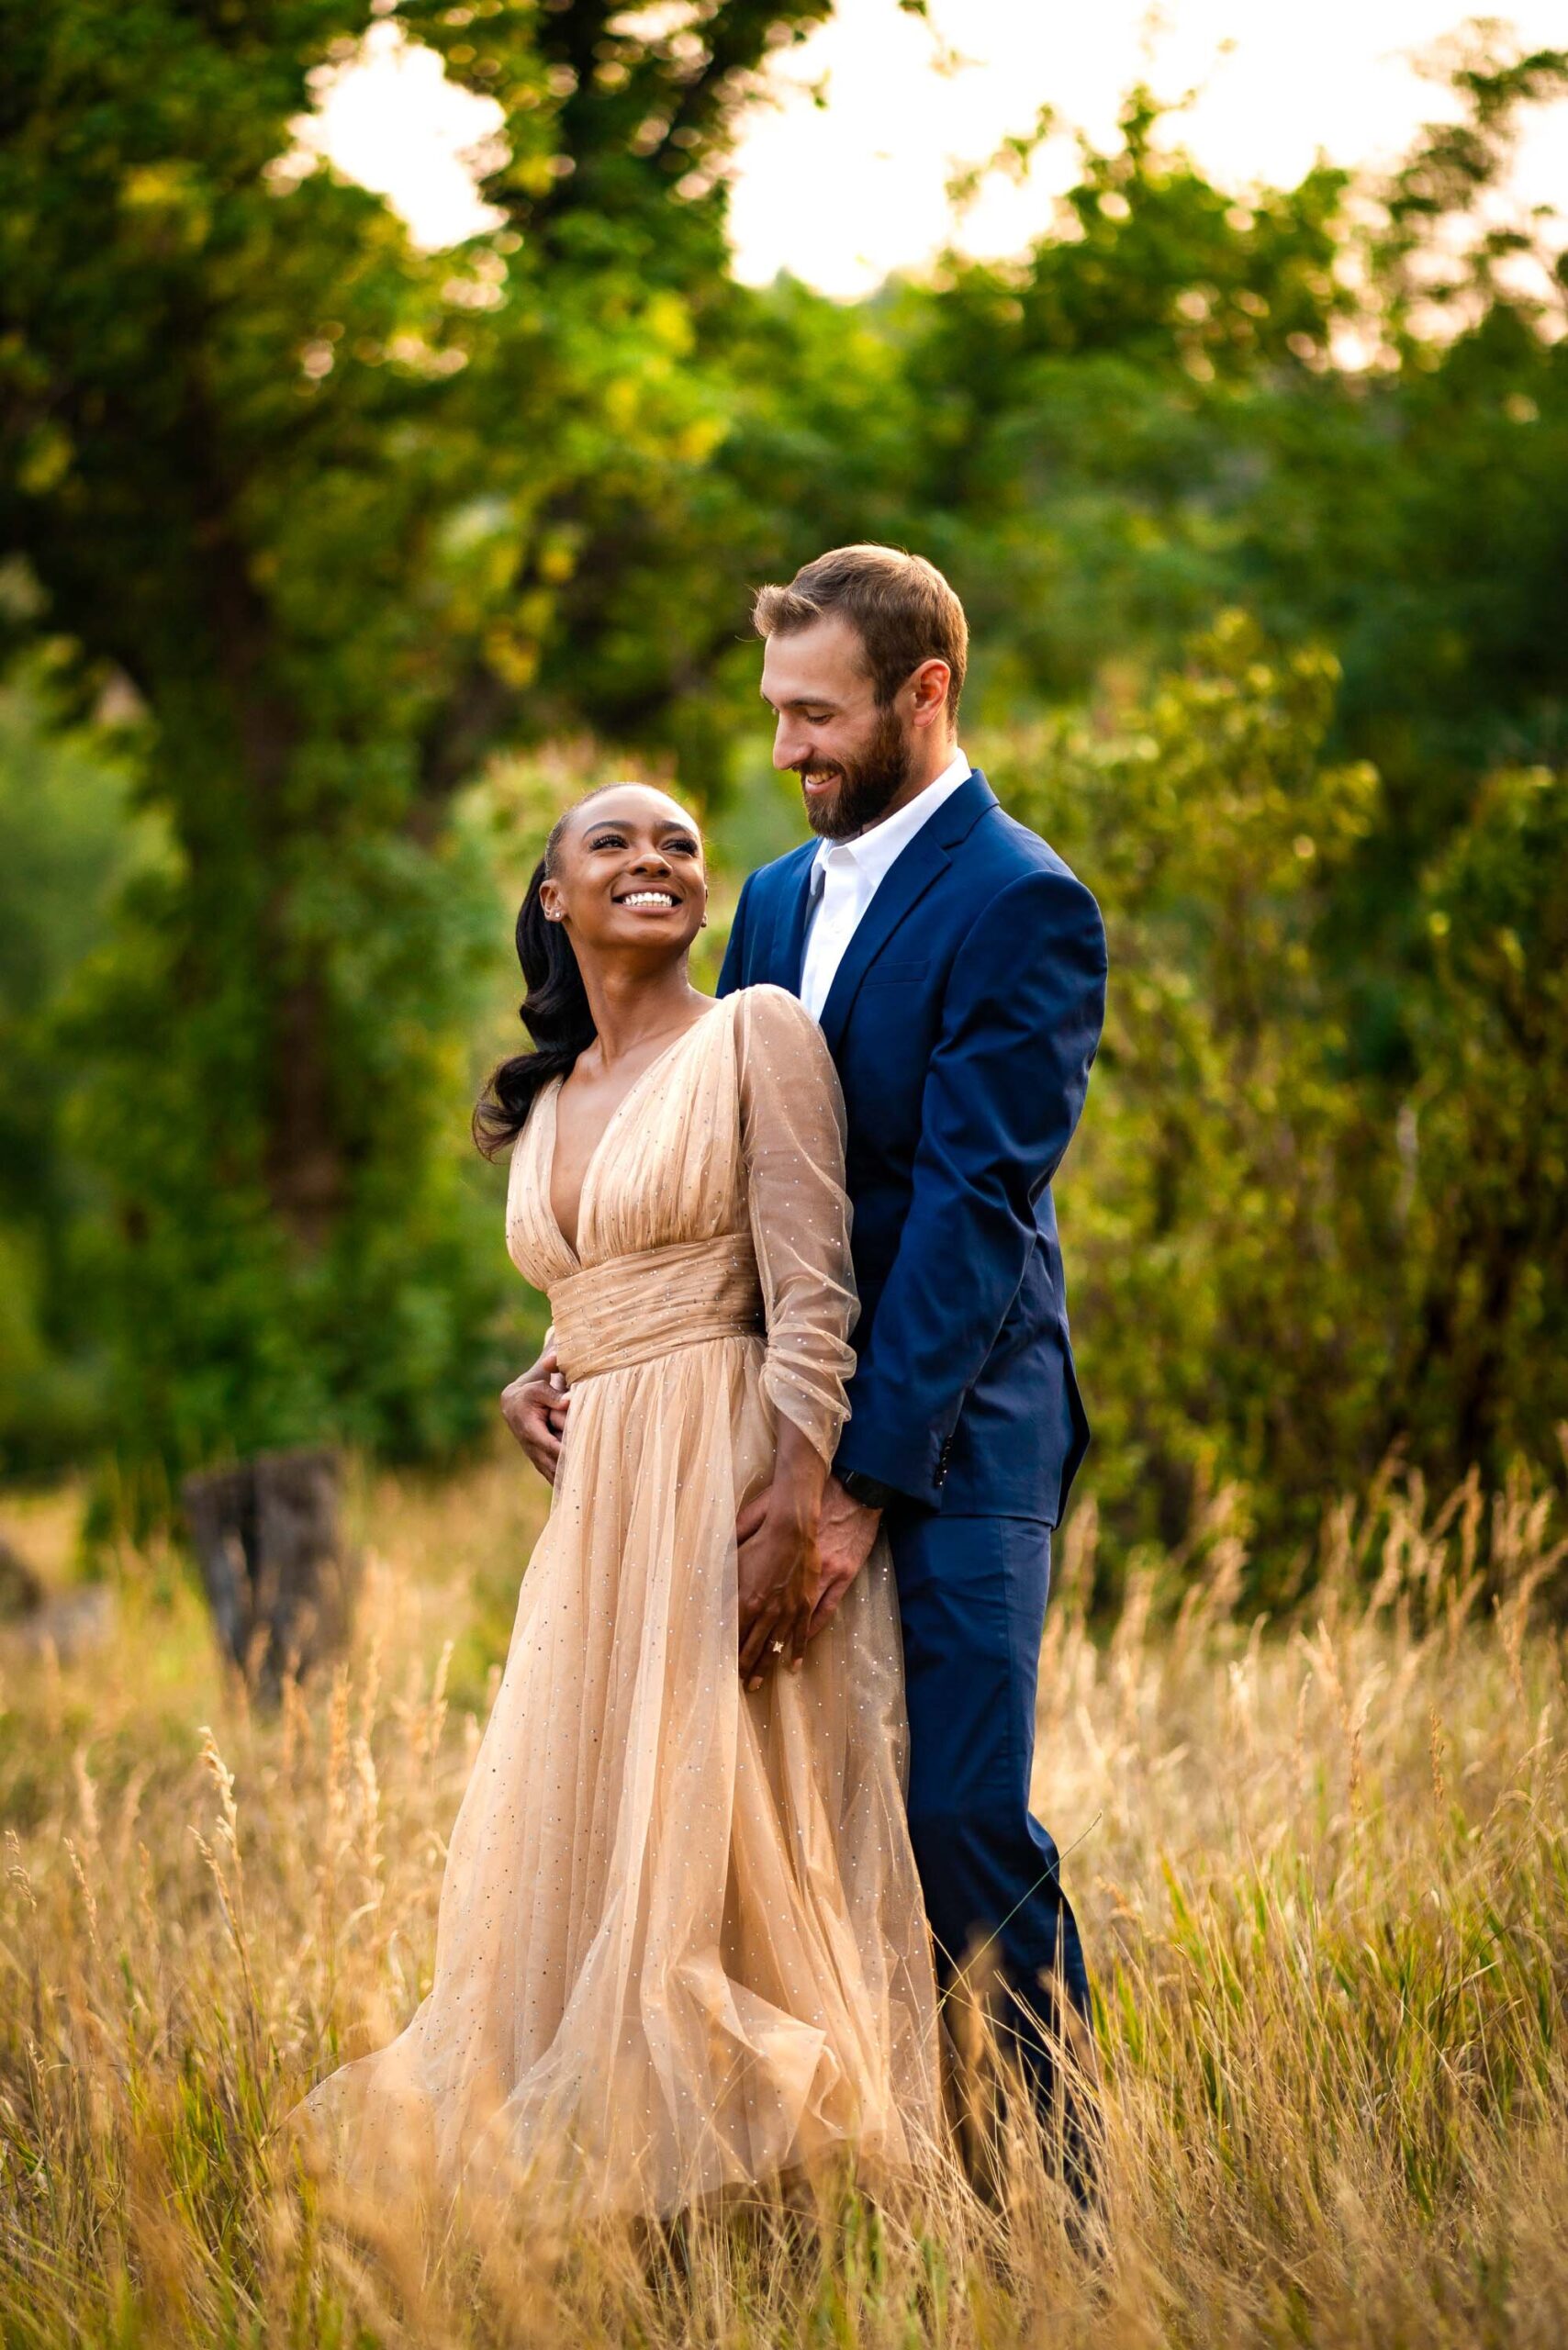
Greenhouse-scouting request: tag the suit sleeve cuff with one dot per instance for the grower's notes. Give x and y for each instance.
(912, 1470)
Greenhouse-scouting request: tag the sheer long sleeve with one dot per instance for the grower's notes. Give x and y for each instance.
(793, 1134)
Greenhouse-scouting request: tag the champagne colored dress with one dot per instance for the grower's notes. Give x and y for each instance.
(680, 1945)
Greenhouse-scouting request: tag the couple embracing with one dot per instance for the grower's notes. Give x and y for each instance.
(757, 1778)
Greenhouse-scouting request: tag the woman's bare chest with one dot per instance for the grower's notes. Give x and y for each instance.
(587, 1105)
(586, 1109)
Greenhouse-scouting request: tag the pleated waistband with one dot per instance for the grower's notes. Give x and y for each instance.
(631, 1309)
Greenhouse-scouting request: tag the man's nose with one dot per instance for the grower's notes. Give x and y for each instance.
(791, 748)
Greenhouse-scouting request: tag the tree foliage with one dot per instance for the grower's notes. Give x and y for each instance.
(321, 500)
(1258, 511)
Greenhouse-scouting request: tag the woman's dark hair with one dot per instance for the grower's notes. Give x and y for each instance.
(555, 1011)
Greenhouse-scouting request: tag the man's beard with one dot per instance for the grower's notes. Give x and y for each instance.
(869, 785)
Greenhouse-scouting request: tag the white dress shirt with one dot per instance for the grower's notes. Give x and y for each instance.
(847, 875)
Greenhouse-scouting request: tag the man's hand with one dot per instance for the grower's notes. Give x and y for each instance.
(534, 1407)
(845, 1536)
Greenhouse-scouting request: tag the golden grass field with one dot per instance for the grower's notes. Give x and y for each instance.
(1322, 1867)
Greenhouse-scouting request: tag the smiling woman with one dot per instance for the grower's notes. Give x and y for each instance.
(680, 1946)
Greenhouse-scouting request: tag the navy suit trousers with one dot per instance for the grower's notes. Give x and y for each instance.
(972, 1597)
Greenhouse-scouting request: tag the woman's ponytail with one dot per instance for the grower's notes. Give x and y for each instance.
(554, 1012)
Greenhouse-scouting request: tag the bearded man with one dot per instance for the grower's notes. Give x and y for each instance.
(957, 970)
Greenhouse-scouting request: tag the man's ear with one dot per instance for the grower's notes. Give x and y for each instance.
(930, 682)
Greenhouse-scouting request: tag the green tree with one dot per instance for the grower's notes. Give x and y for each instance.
(68, 842)
(1225, 1211)
(1284, 1267)
(1481, 1376)
(329, 505)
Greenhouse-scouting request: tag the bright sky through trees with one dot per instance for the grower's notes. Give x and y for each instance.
(842, 191)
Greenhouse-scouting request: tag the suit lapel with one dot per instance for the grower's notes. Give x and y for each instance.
(788, 950)
(927, 856)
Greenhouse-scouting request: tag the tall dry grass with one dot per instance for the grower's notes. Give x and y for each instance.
(1322, 1868)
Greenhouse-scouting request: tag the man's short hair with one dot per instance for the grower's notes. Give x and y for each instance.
(900, 606)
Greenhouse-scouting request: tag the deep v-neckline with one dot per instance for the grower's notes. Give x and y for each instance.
(610, 1124)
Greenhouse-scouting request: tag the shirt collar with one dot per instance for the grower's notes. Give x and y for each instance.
(875, 848)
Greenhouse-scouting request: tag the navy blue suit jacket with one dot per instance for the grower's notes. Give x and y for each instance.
(963, 1020)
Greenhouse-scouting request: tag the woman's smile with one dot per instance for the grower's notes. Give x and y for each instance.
(650, 900)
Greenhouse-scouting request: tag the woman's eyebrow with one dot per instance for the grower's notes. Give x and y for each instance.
(614, 825)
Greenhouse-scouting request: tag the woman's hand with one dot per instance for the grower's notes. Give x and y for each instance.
(777, 1569)
(534, 1407)
(779, 1578)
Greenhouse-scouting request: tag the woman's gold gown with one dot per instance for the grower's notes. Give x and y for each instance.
(680, 1945)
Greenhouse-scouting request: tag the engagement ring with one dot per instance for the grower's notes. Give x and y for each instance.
(777, 1648)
